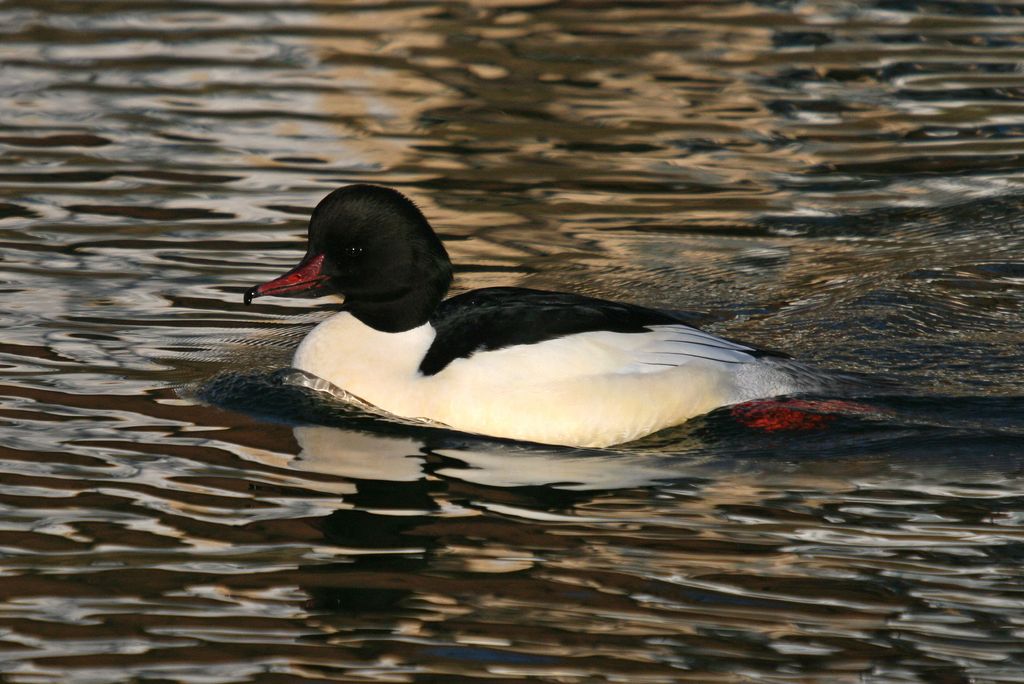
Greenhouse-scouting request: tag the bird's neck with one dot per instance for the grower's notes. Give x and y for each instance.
(397, 313)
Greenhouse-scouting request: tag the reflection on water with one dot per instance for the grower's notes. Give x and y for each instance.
(837, 180)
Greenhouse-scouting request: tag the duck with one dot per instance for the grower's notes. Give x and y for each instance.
(530, 365)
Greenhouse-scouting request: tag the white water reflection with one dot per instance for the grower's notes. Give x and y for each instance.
(422, 453)
(363, 455)
(358, 455)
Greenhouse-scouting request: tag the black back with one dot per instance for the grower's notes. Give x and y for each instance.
(498, 317)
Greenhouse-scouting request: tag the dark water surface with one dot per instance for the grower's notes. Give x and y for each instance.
(840, 180)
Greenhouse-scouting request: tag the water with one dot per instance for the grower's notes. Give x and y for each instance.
(839, 180)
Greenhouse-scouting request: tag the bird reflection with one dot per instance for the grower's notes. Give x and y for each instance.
(429, 512)
(371, 456)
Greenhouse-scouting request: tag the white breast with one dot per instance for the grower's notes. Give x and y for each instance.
(589, 389)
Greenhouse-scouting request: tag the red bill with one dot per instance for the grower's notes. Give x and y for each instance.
(306, 279)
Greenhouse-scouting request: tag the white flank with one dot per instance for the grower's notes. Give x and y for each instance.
(590, 389)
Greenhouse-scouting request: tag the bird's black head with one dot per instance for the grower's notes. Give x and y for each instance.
(374, 247)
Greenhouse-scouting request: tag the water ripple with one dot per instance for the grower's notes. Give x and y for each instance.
(838, 180)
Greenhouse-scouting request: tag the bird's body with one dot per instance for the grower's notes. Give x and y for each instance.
(524, 364)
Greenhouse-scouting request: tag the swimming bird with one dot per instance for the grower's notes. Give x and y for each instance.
(531, 365)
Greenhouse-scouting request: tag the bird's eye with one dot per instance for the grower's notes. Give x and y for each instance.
(353, 251)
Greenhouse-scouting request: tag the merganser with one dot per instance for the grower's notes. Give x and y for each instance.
(530, 365)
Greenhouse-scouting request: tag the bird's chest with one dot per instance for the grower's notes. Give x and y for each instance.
(378, 367)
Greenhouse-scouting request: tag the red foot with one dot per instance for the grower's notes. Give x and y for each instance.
(798, 415)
